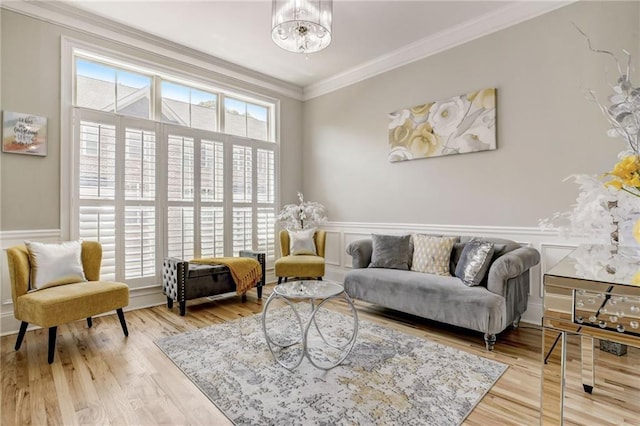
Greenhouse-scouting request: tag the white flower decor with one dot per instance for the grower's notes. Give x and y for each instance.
(305, 215)
(598, 212)
(606, 211)
(623, 113)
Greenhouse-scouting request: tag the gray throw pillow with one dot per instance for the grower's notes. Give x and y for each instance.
(456, 252)
(390, 251)
(474, 261)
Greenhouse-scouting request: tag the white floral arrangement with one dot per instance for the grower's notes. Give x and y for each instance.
(305, 215)
(608, 205)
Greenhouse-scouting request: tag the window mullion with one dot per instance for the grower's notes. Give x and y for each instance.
(197, 181)
(221, 121)
(254, 198)
(228, 195)
(156, 99)
(119, 201)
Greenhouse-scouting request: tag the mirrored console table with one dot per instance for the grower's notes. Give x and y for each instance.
(594, 292)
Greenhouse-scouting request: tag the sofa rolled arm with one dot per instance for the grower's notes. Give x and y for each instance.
(360, 252)
(511, 265)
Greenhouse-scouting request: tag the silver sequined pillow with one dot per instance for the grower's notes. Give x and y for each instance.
(474, 261)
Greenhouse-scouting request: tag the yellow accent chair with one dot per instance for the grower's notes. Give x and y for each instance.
(300, 266)
(52, 306)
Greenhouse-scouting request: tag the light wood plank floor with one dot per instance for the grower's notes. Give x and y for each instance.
(100, 377)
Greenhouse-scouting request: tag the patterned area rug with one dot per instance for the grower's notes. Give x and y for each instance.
(389, 377)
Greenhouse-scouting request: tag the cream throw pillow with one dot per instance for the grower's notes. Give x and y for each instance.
(55, 264)
(432, 254)
(301, 242)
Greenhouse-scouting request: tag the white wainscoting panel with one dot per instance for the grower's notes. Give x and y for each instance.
(333, 247)
(549, 243)
(552, 248)
(140, 295)
(8, 324)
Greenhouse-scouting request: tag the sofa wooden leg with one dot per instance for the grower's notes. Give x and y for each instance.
(169, 302)
(183, 308)
(259, 288)
(89, 322)
(319, 278)
(23, 330)
(279, 280)
(490, 341)
(52, 343)
(286, 279)
(123, 323)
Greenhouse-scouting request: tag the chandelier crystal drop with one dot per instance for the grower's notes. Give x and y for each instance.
(302, 26)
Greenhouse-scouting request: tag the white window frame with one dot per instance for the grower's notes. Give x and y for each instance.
(69, 200)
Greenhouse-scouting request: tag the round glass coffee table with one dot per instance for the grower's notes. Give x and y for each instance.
(319, 294)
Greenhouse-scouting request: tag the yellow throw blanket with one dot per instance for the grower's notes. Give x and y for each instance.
(245, 271)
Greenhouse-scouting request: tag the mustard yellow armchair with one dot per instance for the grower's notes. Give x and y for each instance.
(300, 266)
(52, 306)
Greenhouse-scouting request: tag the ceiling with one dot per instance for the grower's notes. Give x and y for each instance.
(240, 31)
(233, 37)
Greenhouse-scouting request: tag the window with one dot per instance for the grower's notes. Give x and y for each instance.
(184, 178)
(189, 107)
(106, 88)
(245, 119)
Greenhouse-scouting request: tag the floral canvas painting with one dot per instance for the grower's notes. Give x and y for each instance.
(24, 134)
(457, 125)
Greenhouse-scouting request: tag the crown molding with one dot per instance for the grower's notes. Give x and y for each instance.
(67, 16)
(486, 24)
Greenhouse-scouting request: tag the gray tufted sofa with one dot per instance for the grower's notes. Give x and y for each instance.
(489, 308)
(182, 281)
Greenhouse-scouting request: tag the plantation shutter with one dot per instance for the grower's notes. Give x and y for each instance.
(242, 213)
(266, 199)
(140, 200)
(96, 189)
(180, 194)
(211, 198)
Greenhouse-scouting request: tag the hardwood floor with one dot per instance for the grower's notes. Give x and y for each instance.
(101, 377)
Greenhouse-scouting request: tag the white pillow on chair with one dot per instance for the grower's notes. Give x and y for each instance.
(55, 264)
(301, 242)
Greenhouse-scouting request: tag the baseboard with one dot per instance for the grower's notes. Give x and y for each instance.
(139, 298)
(533, 314)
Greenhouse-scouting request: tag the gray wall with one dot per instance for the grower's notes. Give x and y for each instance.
(546, 128)
(30, 83)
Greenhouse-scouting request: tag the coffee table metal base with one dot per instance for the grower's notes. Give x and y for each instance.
(304, 331)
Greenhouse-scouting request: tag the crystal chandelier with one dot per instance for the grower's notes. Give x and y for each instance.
(302, 26)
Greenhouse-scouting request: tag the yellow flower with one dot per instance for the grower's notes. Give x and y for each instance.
(634, 181)
(421, 109)
(626, 174)
(615, 183)
(423, 142)
(626, 167)
(399, 136)
(485, 98)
